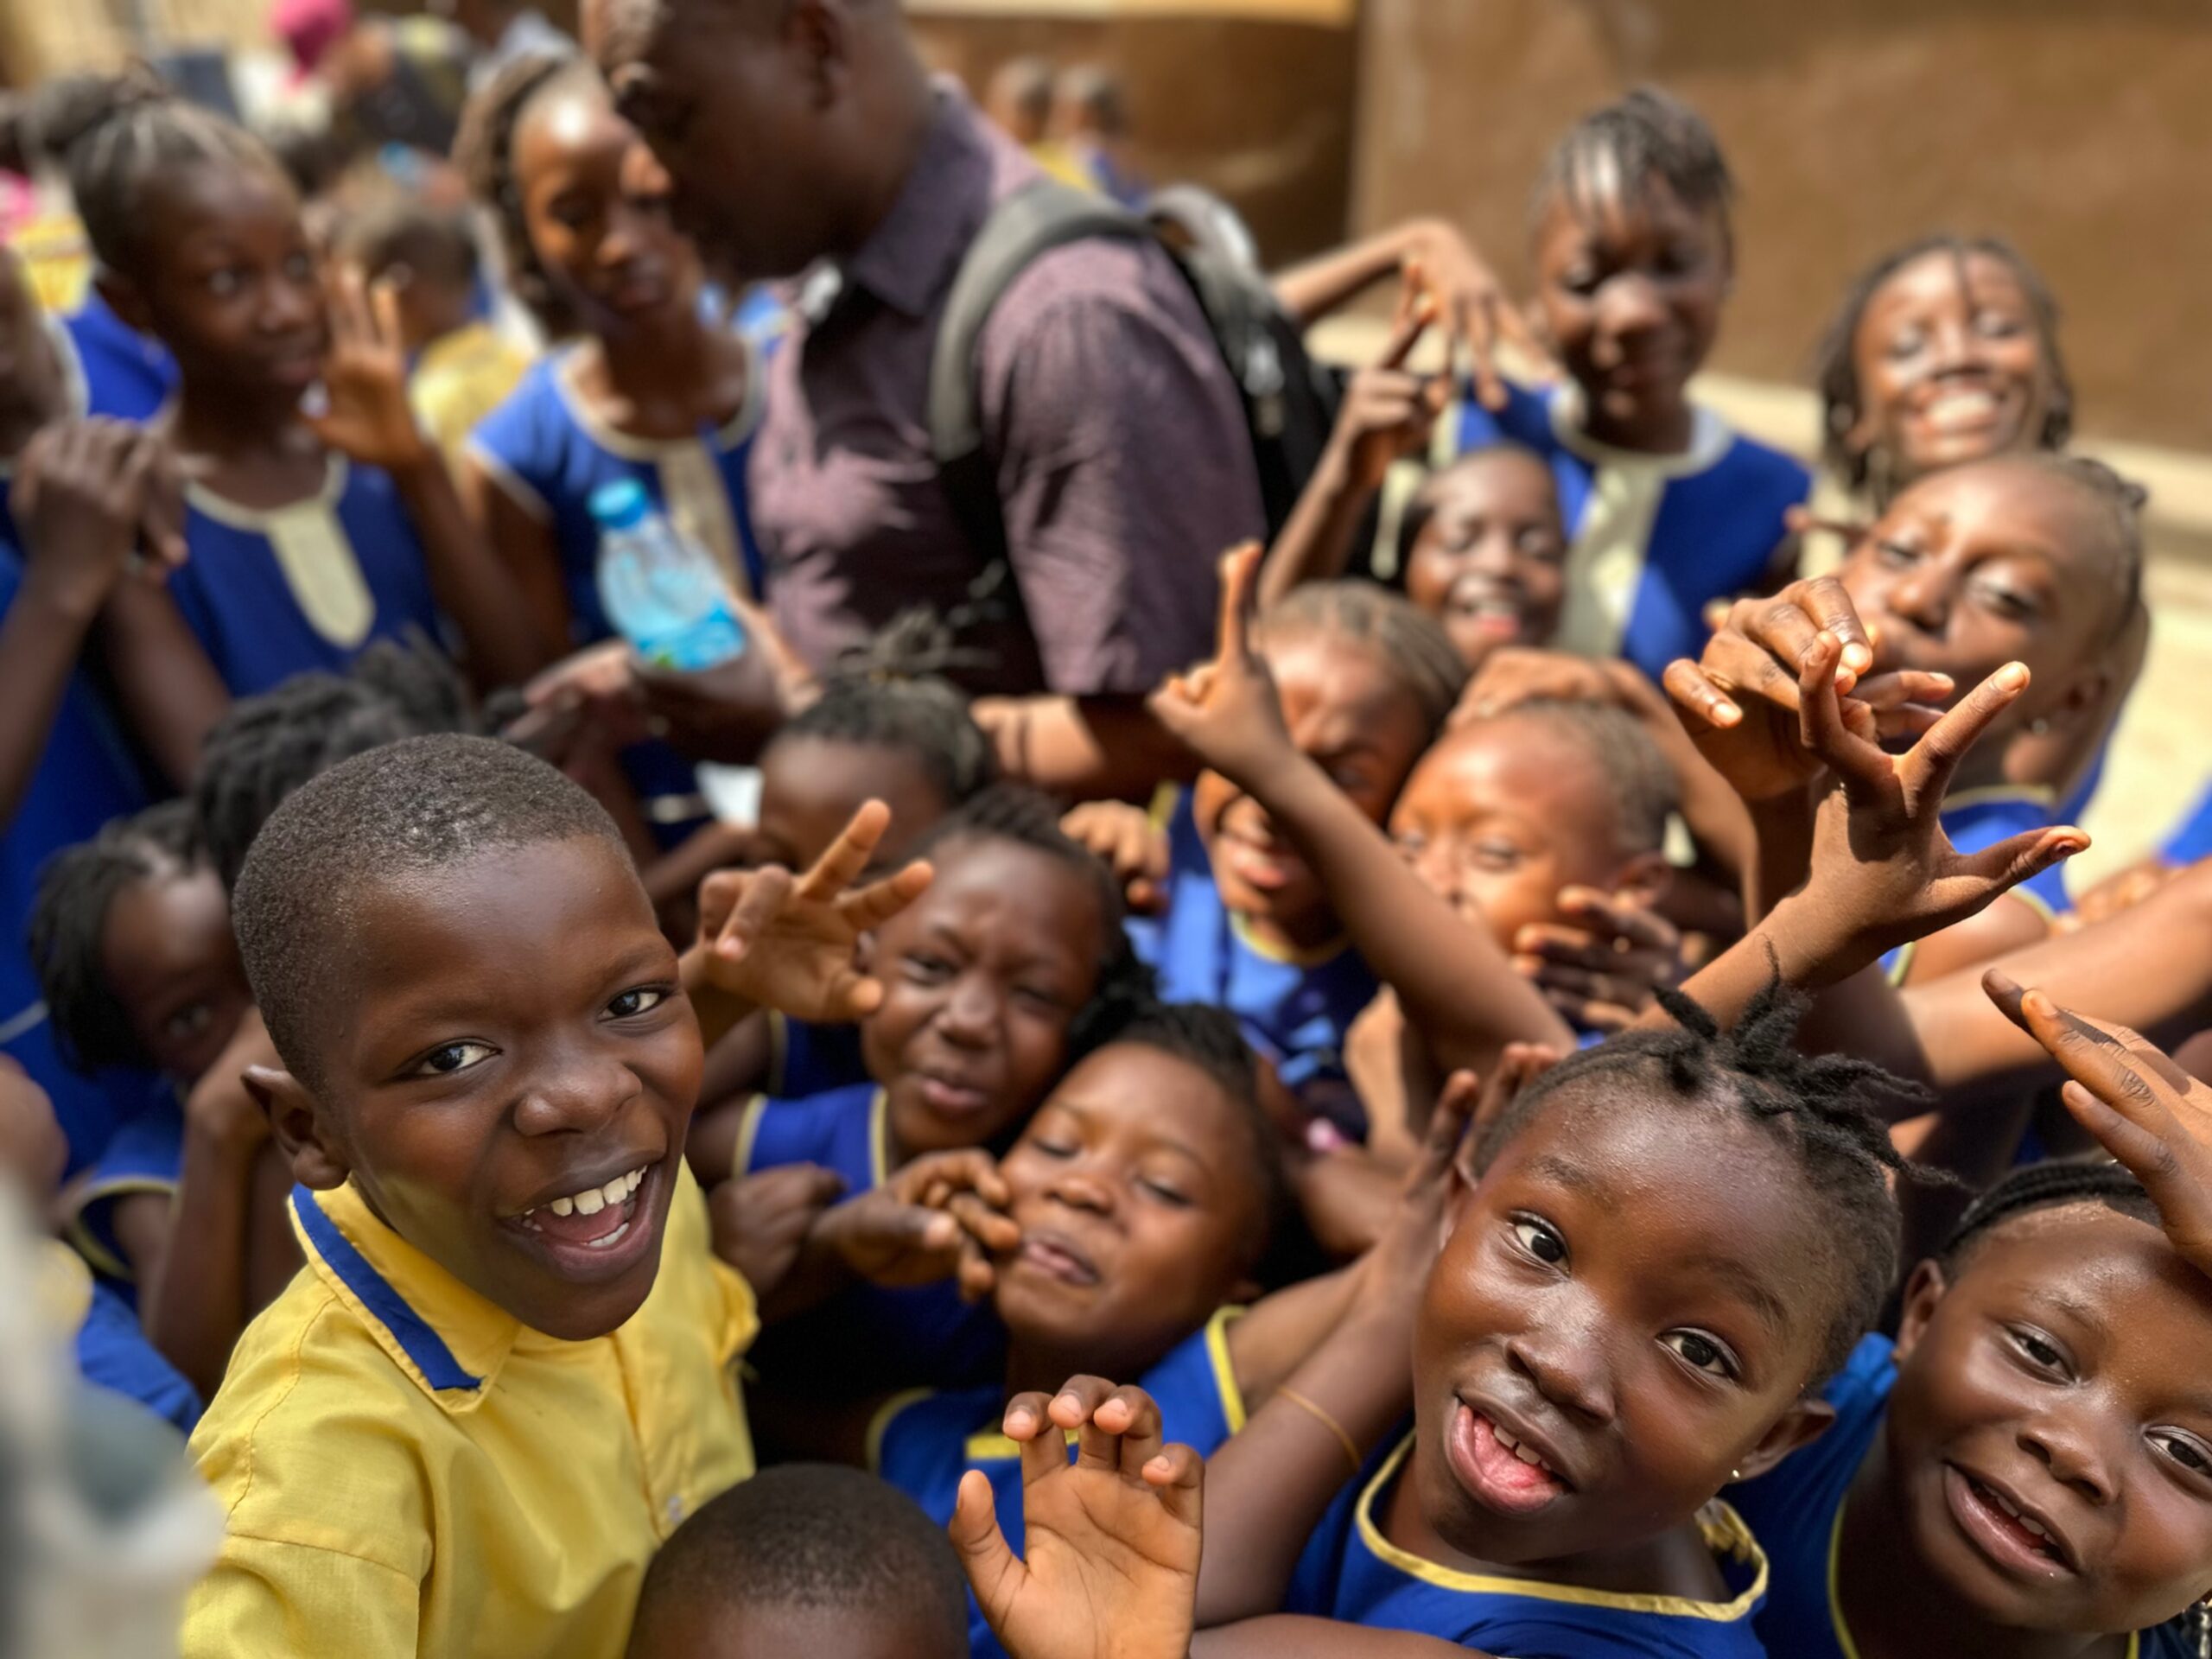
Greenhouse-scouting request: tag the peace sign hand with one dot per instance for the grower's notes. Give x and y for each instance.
(367, 416)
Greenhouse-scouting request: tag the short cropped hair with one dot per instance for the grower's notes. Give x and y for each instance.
(808, 1535)
(1644, 790)
(421, 804)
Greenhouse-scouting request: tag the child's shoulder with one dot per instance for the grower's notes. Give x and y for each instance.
(840, 1129)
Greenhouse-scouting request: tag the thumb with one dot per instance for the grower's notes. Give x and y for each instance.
(2019, 858)
(993, 1572)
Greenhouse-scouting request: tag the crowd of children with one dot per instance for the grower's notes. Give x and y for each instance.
(1580, 1118)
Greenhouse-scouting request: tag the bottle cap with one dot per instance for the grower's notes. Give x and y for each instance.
(621, 505)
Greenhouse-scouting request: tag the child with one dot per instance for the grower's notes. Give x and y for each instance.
(83, 499)
(461, 369)
(653, 390)
(1944, 350)
(992, 984)
(484, 1095)
(1668, 509)
(807, 1558)
(298, 557)
(2030, 558)
(2031, 1462)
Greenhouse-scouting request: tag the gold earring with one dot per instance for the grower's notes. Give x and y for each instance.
(1735, 1474)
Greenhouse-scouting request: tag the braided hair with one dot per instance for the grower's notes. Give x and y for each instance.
(92, 1030)
(127, 145)
(2048, 1185)
(266, 747)
(888, 694)
(1836, 371)
(1408, 642)
(1026, 817)
(1816, 1107)
(484, 150)
(1620, 150)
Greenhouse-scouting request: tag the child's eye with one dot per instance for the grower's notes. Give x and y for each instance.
(2005, 601)
(1897, 555)
(451, 1057)
(1539, 1241)
(1495, 855)
(1906, 342)
(2184, 1449)
(1996, 325)
(224, 283)
(642, 999)
(1059, 1149)
(928, 971)
(1540, 544)
(1703, 1353)
(188, 1022)
(1166, 1193)
(1038, 997)
(2039, 1350)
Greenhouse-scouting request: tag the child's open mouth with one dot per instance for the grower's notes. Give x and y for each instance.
(1500, 1469)
(594, 1229)
(2002, 1529)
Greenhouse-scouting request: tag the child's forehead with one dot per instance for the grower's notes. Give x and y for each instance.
(1602, 206)
(1945, 277)
(1483, 474)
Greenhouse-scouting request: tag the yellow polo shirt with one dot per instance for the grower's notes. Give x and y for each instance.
(407, 1468)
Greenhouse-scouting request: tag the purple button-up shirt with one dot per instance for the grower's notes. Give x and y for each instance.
(1123, 464)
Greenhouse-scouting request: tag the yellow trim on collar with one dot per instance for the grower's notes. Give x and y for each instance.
(878, 1137)
(1722, 1527)
(1317, 957)
(1225, 1368)
(748, 1131)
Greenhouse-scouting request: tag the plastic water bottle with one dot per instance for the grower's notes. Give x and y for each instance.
(665, 592)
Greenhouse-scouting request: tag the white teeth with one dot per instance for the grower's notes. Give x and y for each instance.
(1502, 1438)
(562, 1207)
(2004, 1503)
(609, 1241)
(590, 1201)
(1527, 1456)
(616, 1190)
(2035, 1526)
(593, 1199)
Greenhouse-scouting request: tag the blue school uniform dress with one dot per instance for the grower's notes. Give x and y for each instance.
(923, 1442)
(866, 1339)
(1653, 539)
(120, 371)
(87, 774)
(1295, 1009)
(110, 1348)
(547, 452)
(807, 1059)
(270, 594)
(1797, 1511)
(1976, 819)
(1351, 1572)
(2193, 840)
(145, 1154)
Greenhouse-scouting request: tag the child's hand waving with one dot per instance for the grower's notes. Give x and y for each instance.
(786, 941)
(1111, 1563)
(1225, 711)
(1389, 410)
(368, 416)
(2148, 1113)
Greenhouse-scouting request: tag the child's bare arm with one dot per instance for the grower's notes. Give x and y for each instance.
(524, 545)
(1278, 1635)
(1455, 984)
(1083, 748)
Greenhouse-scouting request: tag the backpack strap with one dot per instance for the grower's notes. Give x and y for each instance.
(1033, 221)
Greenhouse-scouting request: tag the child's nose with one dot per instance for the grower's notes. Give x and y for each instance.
(2070, 1452)
(1567, 1361)
(580, 1093)
(1081, 1189)
(970, 1010)
(1631, 303)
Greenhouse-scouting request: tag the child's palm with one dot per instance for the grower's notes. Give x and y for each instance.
(367, 416)
(1227, 712)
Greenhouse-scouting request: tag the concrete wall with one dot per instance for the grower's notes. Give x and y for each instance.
(2081, 129)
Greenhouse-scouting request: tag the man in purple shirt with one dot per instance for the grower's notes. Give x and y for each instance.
(804, 139)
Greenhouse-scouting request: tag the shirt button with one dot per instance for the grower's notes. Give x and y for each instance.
(675, 1510)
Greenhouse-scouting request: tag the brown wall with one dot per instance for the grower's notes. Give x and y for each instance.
(1260, 112)
(2081, 129)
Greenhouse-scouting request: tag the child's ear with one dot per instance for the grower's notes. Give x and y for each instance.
(317, 1160)
(1805, 1421)
(123, 299)
(1923, 1292)
(1644, 878)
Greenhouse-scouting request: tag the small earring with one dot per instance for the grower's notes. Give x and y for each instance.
(2040, 725)
(1735, 1474)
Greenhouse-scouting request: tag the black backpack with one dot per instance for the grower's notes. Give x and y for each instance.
(1290, 402)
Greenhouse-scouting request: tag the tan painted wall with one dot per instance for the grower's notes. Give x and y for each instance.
(2082, 128)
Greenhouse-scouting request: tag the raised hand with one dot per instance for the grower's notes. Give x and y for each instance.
(367, 416)
(1882, 871)
(1603, 968)
(1740, 700)
(942, 1217)
(1478, 316)
(786, 941)
(1110, 1562)
(1226, 712)
(88, 495)
(761, 1222)
(1389, 410)
(2144, 1110)
(1133, 847)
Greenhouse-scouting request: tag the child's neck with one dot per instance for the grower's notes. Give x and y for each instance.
(1895, 1608)
(1045, 1367)
(1675, 1562)
(666, 380)
(1664, 429)
(258, 453)
(1306, 934)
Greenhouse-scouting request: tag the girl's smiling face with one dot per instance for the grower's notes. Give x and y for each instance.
(1489, 562)
(1951, 364)
(1629, 1293)
(2062, 1367)
(1991, 562)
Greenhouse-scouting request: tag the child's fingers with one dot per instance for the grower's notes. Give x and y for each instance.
(993, 1572)
(384, 312)
(1076, 1408)
(848, 855)
(852, 995)
(1583, 985)
(1579, 1011)
(1820, 723)
(2166, 1157)
(1997, 869)
(1413, 322)
(2109, 1059)
(760, 895)
(878, 902)
(1902, 686)
(976, 1276)
(1026, 1416)
(1777, 627)
(1928, 768)
(1177, 1473)
(1828, 602)
(1240, 575)
(1699, 698)
(994, 1229)
(1803, 520)
(1132, 1417)
(1455, 1108)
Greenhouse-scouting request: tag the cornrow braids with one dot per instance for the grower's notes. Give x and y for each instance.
(1410, 644)
(926, 719)
(52, 117)
(91, 1031)
(1835, 369)
(484, 150)
(2048, 1185)
(1816, 1106)
(1026, 817)
(1616, 153)
(115, 161)
(266, 747)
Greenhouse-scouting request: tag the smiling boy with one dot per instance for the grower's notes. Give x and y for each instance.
(506, 1373)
